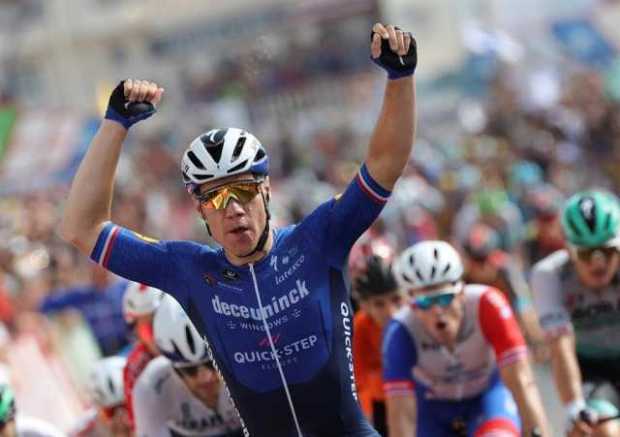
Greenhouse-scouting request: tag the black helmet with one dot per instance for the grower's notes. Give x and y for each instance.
(376, 280)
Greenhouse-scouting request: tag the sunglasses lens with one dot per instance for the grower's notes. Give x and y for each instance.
(427, 302)
(586, 255)
(423, 302)
(443, 300)
(192, 371)
(218, 199)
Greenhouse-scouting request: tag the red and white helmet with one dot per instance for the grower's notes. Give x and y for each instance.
(140, 300)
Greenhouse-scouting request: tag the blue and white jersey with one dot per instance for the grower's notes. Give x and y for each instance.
(305, 304)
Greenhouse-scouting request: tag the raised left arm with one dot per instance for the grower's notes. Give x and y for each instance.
(393, 136)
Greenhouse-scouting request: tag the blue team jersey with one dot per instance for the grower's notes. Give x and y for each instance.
(304, 301)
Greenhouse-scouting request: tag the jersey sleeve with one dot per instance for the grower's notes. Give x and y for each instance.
(336, 224)
(141, 259)
(149, 410)
(552, 315)
(399, 358)
(500, 328)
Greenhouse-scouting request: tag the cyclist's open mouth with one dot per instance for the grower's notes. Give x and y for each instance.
(239, 230)
(441, 325)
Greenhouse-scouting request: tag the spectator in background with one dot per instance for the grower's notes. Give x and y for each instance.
(139, 305)
(376, 291)
(494, 208)
(100, 303)
(544, 230)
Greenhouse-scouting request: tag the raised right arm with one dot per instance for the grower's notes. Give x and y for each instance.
(90, 197)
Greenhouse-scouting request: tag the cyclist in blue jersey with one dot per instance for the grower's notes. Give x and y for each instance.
(272, 303)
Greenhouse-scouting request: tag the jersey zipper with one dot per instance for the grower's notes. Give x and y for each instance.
(274, 351)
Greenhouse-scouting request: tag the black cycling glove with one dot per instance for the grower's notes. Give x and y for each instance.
(125, 112)
(395, 65)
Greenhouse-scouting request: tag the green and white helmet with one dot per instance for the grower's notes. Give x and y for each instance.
(591, 219)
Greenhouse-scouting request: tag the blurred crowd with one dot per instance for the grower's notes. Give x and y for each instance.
(496, 188)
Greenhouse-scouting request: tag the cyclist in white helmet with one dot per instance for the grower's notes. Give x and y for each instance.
(273, 303)
(471, 375)
(139, 304)
(108, 417)
(181, 393)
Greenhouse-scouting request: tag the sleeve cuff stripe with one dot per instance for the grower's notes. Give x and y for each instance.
(372, 184)
(512, 355)
(366, 184)
(107, 247)
(398, 386)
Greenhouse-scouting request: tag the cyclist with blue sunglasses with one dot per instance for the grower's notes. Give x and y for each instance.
(454, 359)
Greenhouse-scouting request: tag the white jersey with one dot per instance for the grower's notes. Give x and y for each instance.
(28, 426)
(564, 304)
(489, 338)
(163, 407)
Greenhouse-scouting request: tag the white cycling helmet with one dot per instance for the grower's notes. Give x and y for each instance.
(220, 153)
(176, 336)
(428, 263)
(106, 381)
(140, 300)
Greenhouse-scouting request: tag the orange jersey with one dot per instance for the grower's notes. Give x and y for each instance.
(367, 340)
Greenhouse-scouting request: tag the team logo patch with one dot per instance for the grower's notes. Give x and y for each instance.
(230, 275)
(145, 238)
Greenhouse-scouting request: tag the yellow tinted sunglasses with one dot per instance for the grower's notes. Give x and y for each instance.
(219, 198)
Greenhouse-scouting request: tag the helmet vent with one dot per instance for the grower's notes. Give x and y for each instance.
(433, 270)
(111, 386)
(406, 278)
(215, 150)
(238, 148)
(573, 227)
(238, 166)
(259, 155)
(192, 157)
(177, 351)
(588, 211)
(411, 260)
(190, 339)
(607, 224)
(419, 275)
(436, 254)
(215, 136)
(446, 269)
(202, 177)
